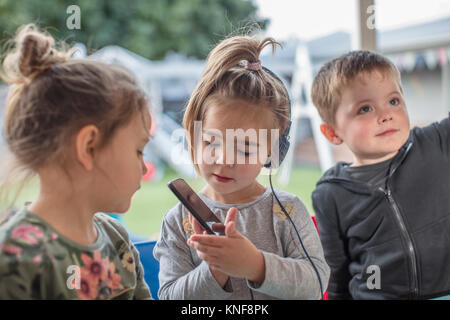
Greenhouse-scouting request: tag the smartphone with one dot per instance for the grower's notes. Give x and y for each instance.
(194, 204)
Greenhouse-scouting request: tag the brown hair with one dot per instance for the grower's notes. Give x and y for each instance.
(336, 74)
(225, 76)
(51, 97)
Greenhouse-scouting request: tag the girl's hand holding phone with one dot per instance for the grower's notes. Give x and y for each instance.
(232, 255)
(220, 277)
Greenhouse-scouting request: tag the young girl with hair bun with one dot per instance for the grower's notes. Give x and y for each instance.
(260, 256)
(81, 127)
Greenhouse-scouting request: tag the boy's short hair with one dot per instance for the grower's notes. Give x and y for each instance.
(336, 74)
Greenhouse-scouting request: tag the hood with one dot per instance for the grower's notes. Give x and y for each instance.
(338, 175)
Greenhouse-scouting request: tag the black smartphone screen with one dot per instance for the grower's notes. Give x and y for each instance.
(194, 204)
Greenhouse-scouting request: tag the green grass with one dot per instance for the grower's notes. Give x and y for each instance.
(153, 200)
(151, 203)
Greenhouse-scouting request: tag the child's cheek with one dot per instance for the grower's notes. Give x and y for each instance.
(362, 128)
(248, 171)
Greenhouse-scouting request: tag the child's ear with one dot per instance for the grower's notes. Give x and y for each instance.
(330, 134)
(86, 141)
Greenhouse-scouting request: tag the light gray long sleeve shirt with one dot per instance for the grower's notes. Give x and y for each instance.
(288, 275)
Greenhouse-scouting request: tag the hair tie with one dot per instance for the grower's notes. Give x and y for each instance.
(253, 66)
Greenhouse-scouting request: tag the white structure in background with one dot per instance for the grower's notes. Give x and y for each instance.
(150, 75)
(421, 52)
(168, 140)
(302, 107)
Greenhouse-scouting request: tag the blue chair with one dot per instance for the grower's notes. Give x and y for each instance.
(150, 265)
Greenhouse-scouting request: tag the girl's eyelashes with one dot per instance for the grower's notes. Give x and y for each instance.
(208, 143)
(246, 153)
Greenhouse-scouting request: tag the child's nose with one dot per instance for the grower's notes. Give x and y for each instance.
(222, 158)
(385, 114)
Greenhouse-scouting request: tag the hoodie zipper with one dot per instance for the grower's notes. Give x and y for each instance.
(414, 287)
(410, 247)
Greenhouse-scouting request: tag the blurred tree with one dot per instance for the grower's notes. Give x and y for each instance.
(150, 28)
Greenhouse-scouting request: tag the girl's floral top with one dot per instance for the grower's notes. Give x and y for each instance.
(37, 262)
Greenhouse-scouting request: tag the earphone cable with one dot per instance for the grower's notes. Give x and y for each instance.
(298, 235)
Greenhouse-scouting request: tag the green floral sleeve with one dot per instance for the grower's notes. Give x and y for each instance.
(19, 281)
(36, 262)
(26, 269)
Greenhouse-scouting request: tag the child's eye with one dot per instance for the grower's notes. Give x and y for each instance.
(394, 102)
(364, 109)
(140, 153)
